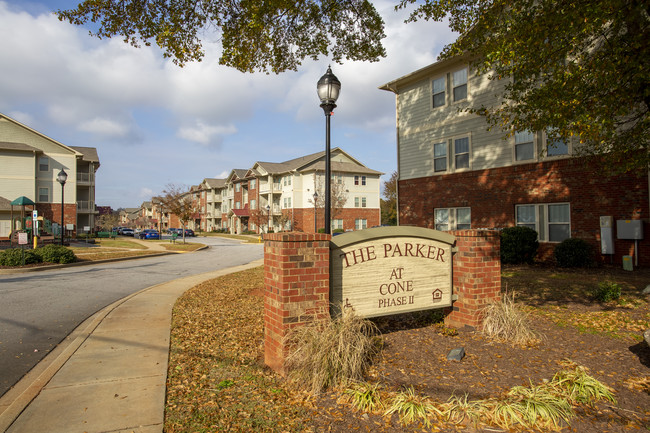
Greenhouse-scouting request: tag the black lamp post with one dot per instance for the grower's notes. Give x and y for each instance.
(268, 214)
(328, 91)
(315, 212)
(62, 177)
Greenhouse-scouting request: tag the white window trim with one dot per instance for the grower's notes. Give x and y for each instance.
(39, 194)
(451, 86)
(451, 152)
(39, 164)
(434, 78)
(545, 147)
(453, 219)
(542, 209)
(433, 146)
(535, 150)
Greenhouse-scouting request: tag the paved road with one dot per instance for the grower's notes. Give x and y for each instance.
(39, 309)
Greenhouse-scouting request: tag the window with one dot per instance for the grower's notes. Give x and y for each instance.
(360, 178)
(356, 180)
(253, 204)
(287, 202)
(252, 183)
(363, 202)
(237, 187)
(237, 205)
(356, 202)
(287, 180)
(552, 222)
(459, 82)
(43, 194)
(337, 178)
(438, 89)
(360, 223)
(363, 180)
(337, 224)
(556, 147)
(452, 218)
(440, 157)
(461, 152)
(524, 146)
(43, 163)
(359, 202)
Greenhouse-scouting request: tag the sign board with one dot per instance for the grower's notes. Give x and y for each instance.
(22, 239)
(69, 226)
(86, 228)
(34, 214)
(391, 270)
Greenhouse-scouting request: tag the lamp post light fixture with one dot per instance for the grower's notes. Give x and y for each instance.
(62, 177)
(329, 88)
(315, 212)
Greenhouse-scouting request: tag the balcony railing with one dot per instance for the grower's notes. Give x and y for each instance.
(83, 205)
(85, 177)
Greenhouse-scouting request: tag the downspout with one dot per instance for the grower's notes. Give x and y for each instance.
(398, 155)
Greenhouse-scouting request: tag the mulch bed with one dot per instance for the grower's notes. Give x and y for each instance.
(415, 354)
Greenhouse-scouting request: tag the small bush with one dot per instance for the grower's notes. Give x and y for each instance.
(53, 253)
(506, 321)
(518, 245)
(14, 257)
(607, 291)
(333, 353)
(574, 253)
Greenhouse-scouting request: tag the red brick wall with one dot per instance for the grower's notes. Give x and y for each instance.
(52, 212)
(296, 279)
(304, 218)
(492, 195)
(476, 276)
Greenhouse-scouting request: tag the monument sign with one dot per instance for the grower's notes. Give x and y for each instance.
(391, 270)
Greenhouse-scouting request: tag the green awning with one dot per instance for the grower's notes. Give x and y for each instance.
(22, 201)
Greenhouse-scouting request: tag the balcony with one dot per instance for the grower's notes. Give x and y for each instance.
(85, 178)
(84, 206)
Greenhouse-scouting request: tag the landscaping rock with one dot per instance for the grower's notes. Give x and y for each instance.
(646, 291)
(646, 336)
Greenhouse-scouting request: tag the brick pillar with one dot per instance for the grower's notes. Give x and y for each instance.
(477, 276)
(296, 279)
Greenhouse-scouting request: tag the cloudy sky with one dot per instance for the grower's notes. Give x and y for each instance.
(155, 124)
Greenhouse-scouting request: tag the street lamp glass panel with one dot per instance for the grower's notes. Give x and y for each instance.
(62, 177)
(328, 87)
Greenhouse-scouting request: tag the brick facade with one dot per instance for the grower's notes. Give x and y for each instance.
(52, 212)
(296, 279)
(477, 276)
(492, 195)
(304, 218)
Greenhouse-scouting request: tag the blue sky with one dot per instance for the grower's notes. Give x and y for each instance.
(155, 124)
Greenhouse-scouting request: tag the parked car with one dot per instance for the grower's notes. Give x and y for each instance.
(189, 232)
(149, 234)
(173, 231)
(126, 232)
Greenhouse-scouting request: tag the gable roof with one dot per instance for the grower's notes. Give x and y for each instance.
(88, 154)
(14, 121)
(422, 73)
(214, 183)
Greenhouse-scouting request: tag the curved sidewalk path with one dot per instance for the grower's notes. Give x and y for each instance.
(110, 374)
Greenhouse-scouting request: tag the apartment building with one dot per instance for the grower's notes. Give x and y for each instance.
(279, 196)
(454, 173)
(29, 164)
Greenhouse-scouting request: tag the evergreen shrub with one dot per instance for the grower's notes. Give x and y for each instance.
(518, 245)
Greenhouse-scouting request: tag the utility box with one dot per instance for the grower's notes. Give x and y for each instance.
(606, 235)
(627, 263)
(629, 229)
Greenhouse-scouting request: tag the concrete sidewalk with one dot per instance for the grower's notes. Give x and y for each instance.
(109, 375)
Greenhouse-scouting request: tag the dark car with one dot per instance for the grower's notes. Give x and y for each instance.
(149, 234)
(189, 232)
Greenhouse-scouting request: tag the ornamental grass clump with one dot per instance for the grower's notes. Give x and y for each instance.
(364, 396)
(412, 407)
(532, 407)
(505, 320)
(332, 353)
(581, 388)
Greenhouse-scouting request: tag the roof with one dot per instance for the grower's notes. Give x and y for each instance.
(241, 212)
(76, 152)
(395, 85)
(342, 167)
(88, 154)
(18, 146)
(215, 183)
(5, 204)
(292, 164)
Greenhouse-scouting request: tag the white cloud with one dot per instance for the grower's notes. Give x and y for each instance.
(205, 134)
